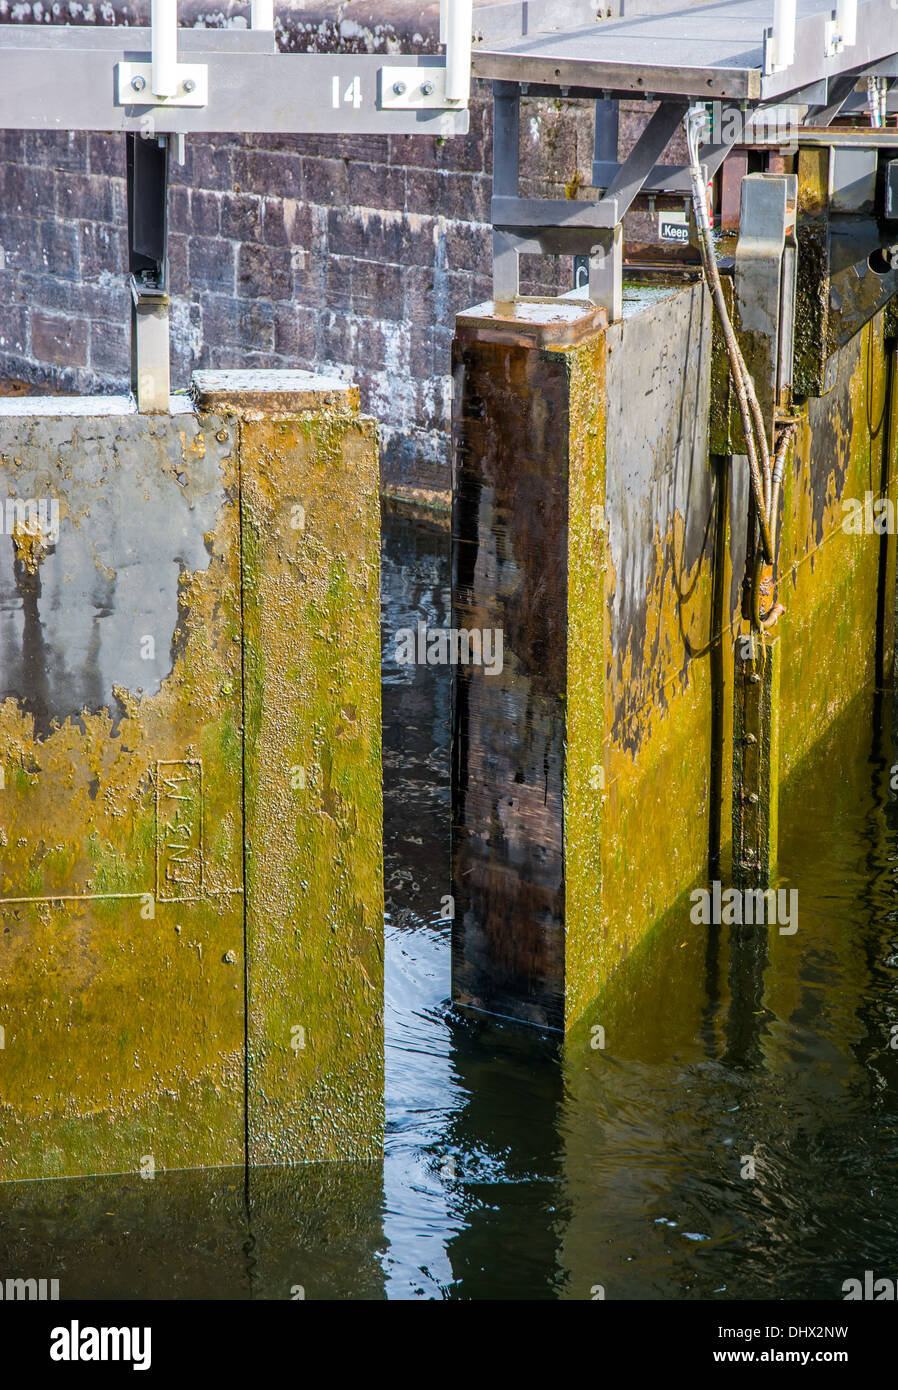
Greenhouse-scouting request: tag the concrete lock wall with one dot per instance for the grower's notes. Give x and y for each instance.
(594, 526)
(191, 898)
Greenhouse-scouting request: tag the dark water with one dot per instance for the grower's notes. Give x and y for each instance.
(518, 1167)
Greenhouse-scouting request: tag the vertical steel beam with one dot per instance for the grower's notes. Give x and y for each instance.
(147, 172)
(764, 295)
(606, 272)
(764, 279)
(756, 759)
(604, 148)
(506, 171)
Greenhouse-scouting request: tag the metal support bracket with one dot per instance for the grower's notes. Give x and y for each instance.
(147, 173)
(567, 226)
(420, 89)
(134, 82)
(764, 284)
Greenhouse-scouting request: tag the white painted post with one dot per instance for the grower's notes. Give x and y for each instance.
(164, 40)
(459, 23)
(262, 14)
(783, 34)
(846, 22)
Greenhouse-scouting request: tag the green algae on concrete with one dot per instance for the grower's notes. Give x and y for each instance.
(584, 766)
(314, 864)
(553, 892)
(176, 580)
(122, 938)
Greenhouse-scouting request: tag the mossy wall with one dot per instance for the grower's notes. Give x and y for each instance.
(647, 528)
(168, 663)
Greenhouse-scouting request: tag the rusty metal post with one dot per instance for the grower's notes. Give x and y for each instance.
(756, 759)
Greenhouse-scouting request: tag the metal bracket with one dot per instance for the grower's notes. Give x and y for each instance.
(841, 31)
(567, 226)
(838, 91)
(779, 41)
(414, 89)
(134, 85)
(764, 283)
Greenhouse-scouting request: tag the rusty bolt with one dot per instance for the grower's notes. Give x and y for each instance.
(222, 436)
(229, 957)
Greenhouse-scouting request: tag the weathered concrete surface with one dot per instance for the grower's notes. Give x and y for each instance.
(121, 818)
(135, 647)
(314, 796)
(662, 533)
(564, 860)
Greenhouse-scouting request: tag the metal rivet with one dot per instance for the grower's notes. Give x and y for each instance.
(138, 83)
(427, 88)
(188, 84)
(399, 88)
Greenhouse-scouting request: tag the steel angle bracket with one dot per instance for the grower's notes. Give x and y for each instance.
(134, 84)
(414, 89)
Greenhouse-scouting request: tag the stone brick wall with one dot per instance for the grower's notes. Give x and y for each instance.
(342, 255)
